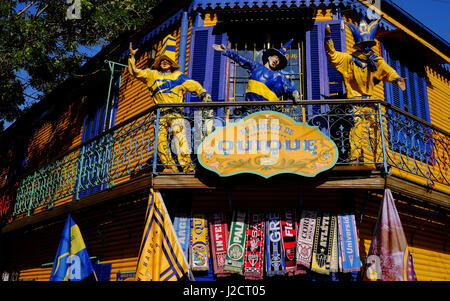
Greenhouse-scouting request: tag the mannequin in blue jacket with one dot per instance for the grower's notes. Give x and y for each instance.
(266, 82)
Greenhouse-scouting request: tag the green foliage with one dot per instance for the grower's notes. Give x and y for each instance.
(40, 47)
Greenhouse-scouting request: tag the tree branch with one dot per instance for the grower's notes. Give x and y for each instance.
(41, 11)
(26, 8)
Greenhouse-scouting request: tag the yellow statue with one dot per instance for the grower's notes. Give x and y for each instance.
(361, 71)
(168, 85)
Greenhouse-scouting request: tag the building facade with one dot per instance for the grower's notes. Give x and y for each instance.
(89, 148)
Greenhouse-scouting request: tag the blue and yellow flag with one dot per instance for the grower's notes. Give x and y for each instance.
(161, 257)
(72, 261)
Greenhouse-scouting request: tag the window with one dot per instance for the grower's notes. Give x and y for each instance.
(238, 76)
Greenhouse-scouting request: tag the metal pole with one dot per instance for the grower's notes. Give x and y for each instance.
(111, 69)
(155, 148)
(380, 115)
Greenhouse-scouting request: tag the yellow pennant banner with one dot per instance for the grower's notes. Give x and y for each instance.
(161, 257)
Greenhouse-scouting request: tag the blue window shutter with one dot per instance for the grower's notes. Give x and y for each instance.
(393, 93)
(422, 107)
(198, 58)
(206, 65)
(217, 87)
(313, 63)
(415, 98)
(323, 80)
(335, 81)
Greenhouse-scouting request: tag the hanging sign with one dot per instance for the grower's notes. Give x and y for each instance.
(267, 143)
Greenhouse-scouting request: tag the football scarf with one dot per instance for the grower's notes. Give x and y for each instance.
(199, 248)
(322, 245)
(305, 239)
(254, 247)
(236, 243)
(334, 264)
(274, 246)
(218, 228)
(349, 260)
(288, 226)
(182, 227)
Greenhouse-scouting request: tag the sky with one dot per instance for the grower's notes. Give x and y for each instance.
(434, 14)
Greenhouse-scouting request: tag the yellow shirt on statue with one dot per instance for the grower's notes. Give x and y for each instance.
(165, 87)
(358, 81)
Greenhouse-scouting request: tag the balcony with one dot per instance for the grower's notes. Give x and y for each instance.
(369, 135)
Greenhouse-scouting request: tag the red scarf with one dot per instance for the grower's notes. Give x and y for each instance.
(218, 228)
(289, 227)
(254, 247)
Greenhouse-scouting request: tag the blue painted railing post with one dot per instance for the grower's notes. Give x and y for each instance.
(79, 174)
(111, 78)
(383, 141)
(155, 148)
(30, 201)
(183, 41)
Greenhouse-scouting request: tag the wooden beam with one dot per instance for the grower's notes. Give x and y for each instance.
(193, 182)
(417, 191)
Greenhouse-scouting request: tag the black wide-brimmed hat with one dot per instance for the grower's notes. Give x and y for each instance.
(281, 53)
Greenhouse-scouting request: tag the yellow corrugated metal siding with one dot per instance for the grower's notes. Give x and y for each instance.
(438, 88)
(56, 137)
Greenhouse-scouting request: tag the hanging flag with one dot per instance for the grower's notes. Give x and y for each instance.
(254, 248)
(182, 225)
(72, 261)
(321, 257)
(161, 257)
(349, 260)
(305, 240)
(274, 246)
(288, 225)
(389, 258)
(218, 228)
(199, 246)
(236, 243)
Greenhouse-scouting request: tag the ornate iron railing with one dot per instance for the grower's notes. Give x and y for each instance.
(366, 132)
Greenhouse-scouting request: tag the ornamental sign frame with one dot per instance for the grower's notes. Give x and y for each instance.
(267, 143)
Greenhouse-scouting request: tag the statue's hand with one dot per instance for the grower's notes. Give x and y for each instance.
(220, 48)
(132, 51)
(402, 83)
(327, 30)
(296, 96)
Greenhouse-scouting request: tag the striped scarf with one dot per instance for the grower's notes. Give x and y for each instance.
(199, 248)
(236, 243)
(289, 227)
(305, 240)
(218, 228)
(274, 247)
(334, 264)
(254, 249)
(182, 227)
(321, 258)
(349, 260)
